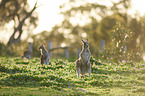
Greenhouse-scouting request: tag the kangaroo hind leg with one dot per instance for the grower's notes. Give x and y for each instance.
(78, 68)
(89, 68)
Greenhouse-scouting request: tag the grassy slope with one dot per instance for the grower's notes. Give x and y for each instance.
(28, 77)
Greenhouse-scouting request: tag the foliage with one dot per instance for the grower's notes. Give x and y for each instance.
(118, 51)
(79, 19)
(59, 78)
(15, 10)
(106, 25)
(120, 36)
(17, 13)
(2, 49)
(82, 20)
(121, 6)
(142, 33)
(135, 26)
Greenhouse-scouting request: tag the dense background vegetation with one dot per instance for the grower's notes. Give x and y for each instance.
(82, 20)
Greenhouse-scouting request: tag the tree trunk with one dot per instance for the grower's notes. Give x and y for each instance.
(14, 40)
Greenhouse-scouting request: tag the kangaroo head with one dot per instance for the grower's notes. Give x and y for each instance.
(41, 46)
(85, 43)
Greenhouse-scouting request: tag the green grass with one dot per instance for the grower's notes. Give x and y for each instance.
(21, 77)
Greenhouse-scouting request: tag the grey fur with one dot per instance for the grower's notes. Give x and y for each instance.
(44, 59)
(27, 54)
(83, 64)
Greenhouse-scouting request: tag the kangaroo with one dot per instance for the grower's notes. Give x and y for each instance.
(44, 58)
(83, 64)
(28, 53)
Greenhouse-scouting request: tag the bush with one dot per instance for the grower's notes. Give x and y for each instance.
(118, 50)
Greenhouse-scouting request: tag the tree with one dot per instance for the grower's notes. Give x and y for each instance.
(82, 16)
(121, 7)
(135, 26)
(106, 25)
(17, 11)
(79, 17)
(142, 33)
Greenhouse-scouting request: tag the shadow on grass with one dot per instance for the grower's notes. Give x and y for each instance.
(109, 72)
(139, 90)
(55, 82)
(52, 68)
(13, 70)
(20, 79)
(22, 62)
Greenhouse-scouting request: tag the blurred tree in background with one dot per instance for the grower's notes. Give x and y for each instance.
(135, 26)
(106, 25)
(19, 14)
(82, 20)
(142, 33)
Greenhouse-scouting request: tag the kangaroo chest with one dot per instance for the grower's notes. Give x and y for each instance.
(44, 52)
(85, 55)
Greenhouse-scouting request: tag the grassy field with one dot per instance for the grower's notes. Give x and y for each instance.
(21, 77)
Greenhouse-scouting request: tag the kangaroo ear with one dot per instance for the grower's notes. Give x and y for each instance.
(87, 40)
(83, 41)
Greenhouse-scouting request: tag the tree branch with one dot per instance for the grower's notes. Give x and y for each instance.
(19, 28)
(3, 3)
(15, 12)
